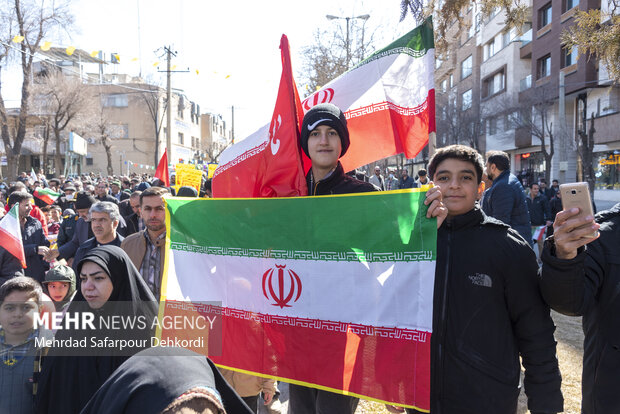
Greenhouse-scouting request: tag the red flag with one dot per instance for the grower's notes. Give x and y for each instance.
(268, 163)
(162, 169)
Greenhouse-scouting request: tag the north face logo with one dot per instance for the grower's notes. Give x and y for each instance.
(481, 279)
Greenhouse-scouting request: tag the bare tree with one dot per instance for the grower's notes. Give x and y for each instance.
(457, 126)
(214, 150)
(67, 104)
(32, 20)
(331, 55)
(534, 115)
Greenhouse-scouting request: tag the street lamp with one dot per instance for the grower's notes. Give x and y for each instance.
(361, 17)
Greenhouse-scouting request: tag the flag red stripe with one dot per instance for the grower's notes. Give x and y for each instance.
(388, 130)
(388, 364)
(13, 246)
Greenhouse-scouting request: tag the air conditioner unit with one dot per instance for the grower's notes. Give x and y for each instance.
(91, 140)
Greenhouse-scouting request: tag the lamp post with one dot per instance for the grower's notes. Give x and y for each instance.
(348, 19)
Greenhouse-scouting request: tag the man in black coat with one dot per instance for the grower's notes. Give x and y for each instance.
(505, 200)
(34, 240)
(102, 191)
(580, 276)
(9, 266)
(540, 213)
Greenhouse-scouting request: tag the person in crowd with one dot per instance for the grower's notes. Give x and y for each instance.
(117, 192)
(35, 211)
(59, 285)
(377, 179)
(580, 276)
(20, 298)
(146, 248)
(103, 192)
(422, 178)
(110, 285)
(207, 188)
(505, 200)
(54, 184)
(540, 213)
(184, 382)
(104, 219)
(487, 313)
(186, 191)
(131, 209)
(68, 199)
(548, 192)
(56, 214)
(391, 182)
(324, 139)
(249, 387)
(406, 181)
(78, 226)
(34, 241)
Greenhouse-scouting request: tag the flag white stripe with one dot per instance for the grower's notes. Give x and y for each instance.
(377, 294)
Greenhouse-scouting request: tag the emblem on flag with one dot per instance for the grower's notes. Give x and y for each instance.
(294, 285)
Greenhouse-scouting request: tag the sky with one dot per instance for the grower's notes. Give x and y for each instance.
(233, 45)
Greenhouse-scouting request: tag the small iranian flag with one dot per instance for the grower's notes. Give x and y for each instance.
(538, 233)
(11, 234)
(331, 292)
(33, 177)
(48, 195)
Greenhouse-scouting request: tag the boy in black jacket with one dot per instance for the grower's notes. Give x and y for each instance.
(487, 309)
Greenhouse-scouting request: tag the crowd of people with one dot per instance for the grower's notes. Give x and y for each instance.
(102, 241)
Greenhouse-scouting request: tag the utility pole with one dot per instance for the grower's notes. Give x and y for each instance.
(169, 54)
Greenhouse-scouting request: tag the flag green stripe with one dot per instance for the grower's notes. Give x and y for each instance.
(415, 43)
(371, 227)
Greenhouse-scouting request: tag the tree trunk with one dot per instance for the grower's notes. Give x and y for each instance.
(108, 153)
(58, 155)
(588, 168)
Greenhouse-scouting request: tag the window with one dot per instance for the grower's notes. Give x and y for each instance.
(494, 84)
(544, 67)
(444, 85)
(569, 4)
(89, 161)
(181, 107)
(181, 138)
(466, 100)
(451, 81)
(466, 67)
(117, 100)
(544, 16)
(569, 57)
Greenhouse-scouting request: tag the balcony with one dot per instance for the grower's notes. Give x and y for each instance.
(526, 45)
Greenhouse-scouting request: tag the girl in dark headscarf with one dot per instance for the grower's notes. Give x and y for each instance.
(165, 380)
(111, 289)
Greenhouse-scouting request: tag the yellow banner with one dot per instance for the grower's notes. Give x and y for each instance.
(188, 175)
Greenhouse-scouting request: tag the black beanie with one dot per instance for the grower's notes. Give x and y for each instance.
(84, 200)
(325, 114)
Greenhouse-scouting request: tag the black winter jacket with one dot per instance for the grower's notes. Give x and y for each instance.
(32, 238)
(505, 201)
(589, 285)
(488, 311)
(337, 183)
(539, 210)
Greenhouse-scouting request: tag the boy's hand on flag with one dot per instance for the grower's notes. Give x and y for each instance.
(436, 208)
(394, 409)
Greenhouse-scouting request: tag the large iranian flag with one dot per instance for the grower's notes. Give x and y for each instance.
(332, 292)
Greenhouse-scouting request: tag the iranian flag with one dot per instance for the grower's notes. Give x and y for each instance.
(11, 234)
(331, 292)
(48, 195)
(389, 102)
(538, 233)
(388, 99)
